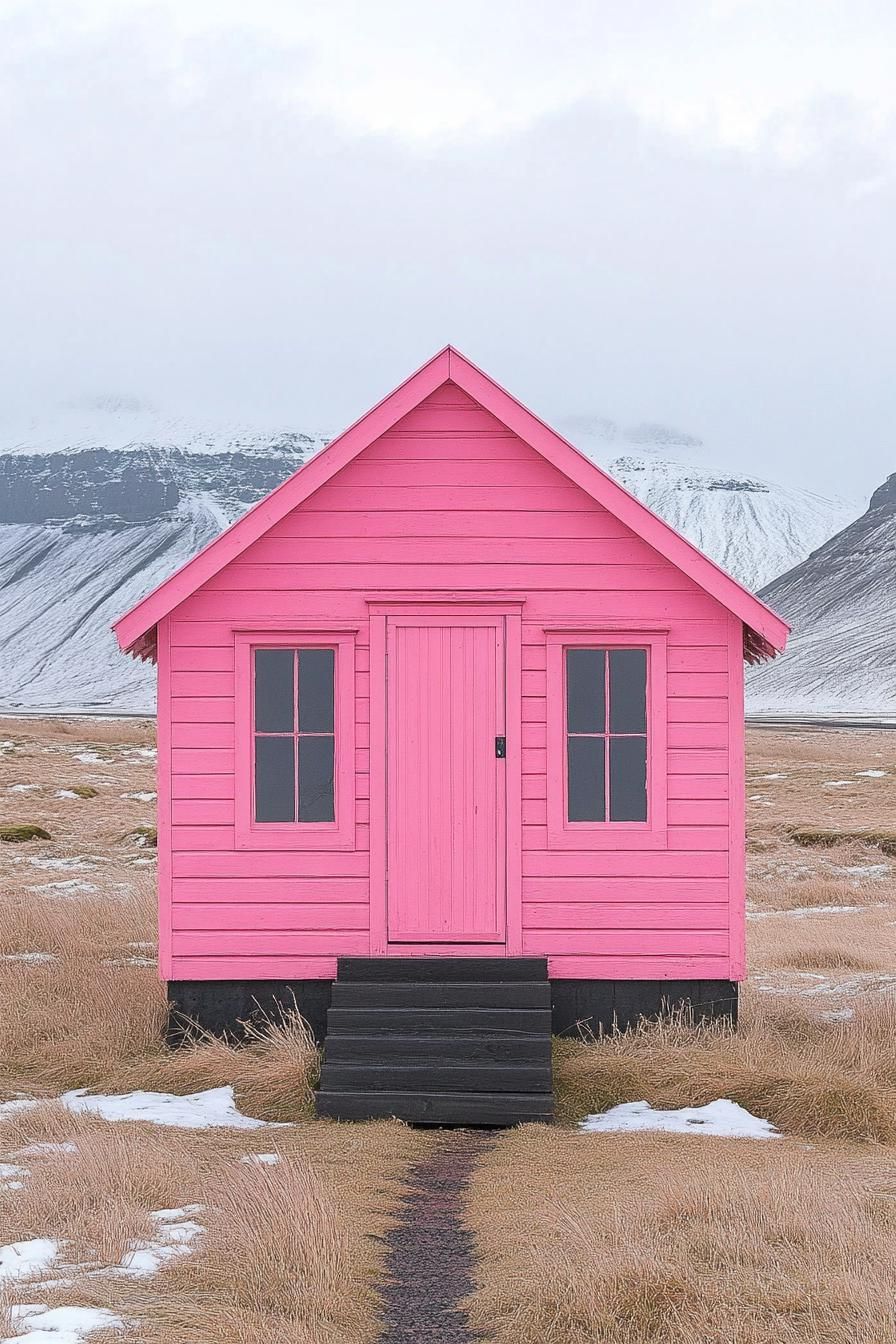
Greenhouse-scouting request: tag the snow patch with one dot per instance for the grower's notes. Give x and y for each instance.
(70, 888)
(81, 864)
(722, 1118)
(173, 1237)
(22, 788)
(802, 911)
(836, 784)
(34, 1149)
(11, 1176)
(810, 984)
(27, 1259)
(199, 1110)
(91, 758)
(262, 1159)
(15, 1106)
(27, 956)
(141, 797)
(59, 1325)
(872, 774)
(862, 870)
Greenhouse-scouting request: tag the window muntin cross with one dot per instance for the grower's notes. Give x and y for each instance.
(606, 734)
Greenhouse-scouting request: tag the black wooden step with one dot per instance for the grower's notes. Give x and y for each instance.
(386, 1049)
(438, 1108)
(442, 969)
(440, 1021)
(461, 994)
(436, 1077)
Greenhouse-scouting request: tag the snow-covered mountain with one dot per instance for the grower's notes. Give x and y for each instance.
(99, 502)
(754, 529)
(841, 602)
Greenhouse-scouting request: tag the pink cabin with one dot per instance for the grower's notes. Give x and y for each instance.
(451, 753)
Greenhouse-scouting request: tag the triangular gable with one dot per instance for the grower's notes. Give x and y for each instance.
(764, 635)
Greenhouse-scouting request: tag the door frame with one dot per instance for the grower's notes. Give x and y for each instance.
(456, 605)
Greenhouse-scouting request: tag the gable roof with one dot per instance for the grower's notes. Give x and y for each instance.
(765, 634)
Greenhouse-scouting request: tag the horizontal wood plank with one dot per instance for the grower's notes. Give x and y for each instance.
(620, 915)
(201, 786)
(201, 683)
(291, 890)
(697, 786)
(279, 943)
(624, 890)
(453, 549)
(626, 942)
(212, 658)
(687, 658)
(698, 812)
(202, 760)
(691, 709)
(520, 523)
(265, 581)
(268, 863)
(615, 863)
(202, 811)
(257, 916)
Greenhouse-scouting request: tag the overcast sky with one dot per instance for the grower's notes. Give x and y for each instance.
(673, 210)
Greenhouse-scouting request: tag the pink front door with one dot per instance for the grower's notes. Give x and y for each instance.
(445, 839)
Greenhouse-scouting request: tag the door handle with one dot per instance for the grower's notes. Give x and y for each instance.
(500, 747)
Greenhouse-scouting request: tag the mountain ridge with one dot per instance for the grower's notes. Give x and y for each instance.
(841, 602)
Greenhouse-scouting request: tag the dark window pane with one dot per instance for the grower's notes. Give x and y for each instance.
(628, 690)
(274, 690)
(275, 779)
(628, 778)
(586, 710)
(316, 690)
(316, 779)
(586, 792)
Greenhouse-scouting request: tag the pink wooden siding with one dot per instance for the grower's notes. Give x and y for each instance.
(451, 502)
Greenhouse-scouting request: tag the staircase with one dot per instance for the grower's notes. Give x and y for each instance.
(439, 1041)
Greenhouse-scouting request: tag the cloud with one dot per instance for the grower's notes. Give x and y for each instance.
(192, 221)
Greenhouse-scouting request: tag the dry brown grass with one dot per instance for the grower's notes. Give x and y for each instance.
(808, 1075)
(812, 780)
(690, 1240)
(618, 1238)
(91, 1014)
(861, 938)
(86, 732)
(290, 1253)
(667, 1239)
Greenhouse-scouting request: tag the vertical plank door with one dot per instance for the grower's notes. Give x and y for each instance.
(445, 782)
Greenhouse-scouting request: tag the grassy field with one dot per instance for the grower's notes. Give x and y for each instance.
(642, 1237)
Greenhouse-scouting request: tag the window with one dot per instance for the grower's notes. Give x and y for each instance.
(295, 741)
(606, 740)
(606, 734)
(294, 735)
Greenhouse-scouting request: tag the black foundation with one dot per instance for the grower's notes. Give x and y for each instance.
(578, 1007)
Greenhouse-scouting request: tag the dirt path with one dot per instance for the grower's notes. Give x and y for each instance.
(431, 1255)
